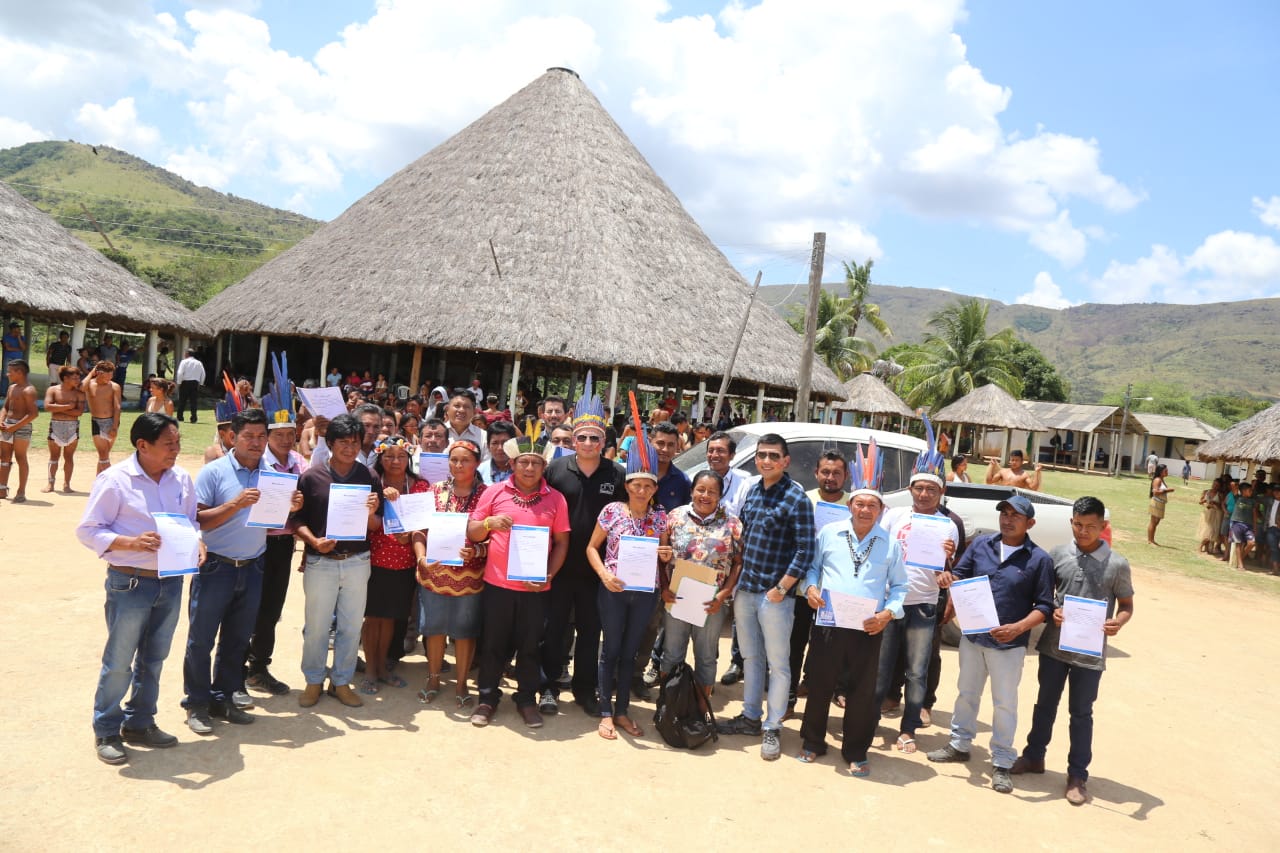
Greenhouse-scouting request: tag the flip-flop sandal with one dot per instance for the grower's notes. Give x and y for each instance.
(838, 700)
(465, 701)
(629, 726)
(807, 757)
(906, 744)
(427, 695)
(859, 769)
(368, 687)
(20, 499)
(606, 731)
(394, 680)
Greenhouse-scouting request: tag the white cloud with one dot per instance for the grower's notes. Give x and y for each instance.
(201, 167)
(1268, 211)
(1045, 293)
(118, 126)
(14, 132)
(1060, 240)
(1226, 267)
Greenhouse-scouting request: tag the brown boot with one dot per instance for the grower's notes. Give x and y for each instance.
(311, 695)
(1077, 793)
(344, 694)
(1026, 765)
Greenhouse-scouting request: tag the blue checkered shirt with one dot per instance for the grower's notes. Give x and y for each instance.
(777, 534)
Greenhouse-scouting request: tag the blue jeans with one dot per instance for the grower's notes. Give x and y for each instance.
(141, 615)
(1005, 668)
(333, 589)
(764, 634)
(706, 645)
(1273, 542)
(1083, 684)
(623, 619)
(223, 605)
(915, 630)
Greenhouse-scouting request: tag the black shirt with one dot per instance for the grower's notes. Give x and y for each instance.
(314, 485)
(586, 497)
(58, 353)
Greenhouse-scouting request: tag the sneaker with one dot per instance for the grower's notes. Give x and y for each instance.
(739, 725)
(1077, 794)
(548, 704)
(410, 644)
(110, 750)
(198, 721)
(947, 755)
(482, 716)
(651, 676)
(267, 682)
(1026, 765)
(771, 746)
(1001, 781)
(639, 690)
(230, 712)
(565, 681)
(311, 695)
(242, 700)
(732, 675)
(590, 703)
(151, 736)
(531, 717)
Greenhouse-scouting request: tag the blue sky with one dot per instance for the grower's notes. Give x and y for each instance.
(1051, 153)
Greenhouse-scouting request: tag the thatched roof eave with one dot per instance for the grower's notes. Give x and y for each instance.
(991, 406)
(1256, 439)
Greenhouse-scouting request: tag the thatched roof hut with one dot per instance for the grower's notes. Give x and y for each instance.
(1256, 439)
(868, 394)
(538, 229)
(992, 406)
(48, 273)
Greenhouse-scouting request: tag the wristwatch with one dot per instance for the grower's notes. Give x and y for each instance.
(782, 590)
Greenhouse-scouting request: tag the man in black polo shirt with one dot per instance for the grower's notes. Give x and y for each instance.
(588, 482)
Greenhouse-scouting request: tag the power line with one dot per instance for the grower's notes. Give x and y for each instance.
(193, 243)
(123, 200)
(253, 234)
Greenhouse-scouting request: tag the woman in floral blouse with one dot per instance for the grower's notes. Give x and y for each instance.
(702, 532)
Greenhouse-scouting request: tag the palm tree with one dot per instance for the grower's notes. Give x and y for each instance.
(846, 354)
(858, 279)
(958, 356)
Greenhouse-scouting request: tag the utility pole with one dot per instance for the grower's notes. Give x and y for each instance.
(810, 326)
(728, 371)
(1118, 452)
(101, 233)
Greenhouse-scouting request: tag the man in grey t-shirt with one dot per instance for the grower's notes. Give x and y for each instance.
(1086, 568)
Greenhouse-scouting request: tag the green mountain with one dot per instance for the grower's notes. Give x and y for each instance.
(1221, 348)
(188, 241)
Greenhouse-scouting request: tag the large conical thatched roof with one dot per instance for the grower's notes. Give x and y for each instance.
(1256, 439)
(46, 272)
(596, 260)
(992, 406)
(868, 393)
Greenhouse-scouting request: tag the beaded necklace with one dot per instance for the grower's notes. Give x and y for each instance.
(523, 502)
(861, 557)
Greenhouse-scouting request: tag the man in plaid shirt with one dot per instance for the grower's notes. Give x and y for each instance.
(777, 521)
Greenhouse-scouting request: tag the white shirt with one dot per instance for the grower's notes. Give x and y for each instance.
(736, 486)
(188, 369)
(471, 433)
(923, 583)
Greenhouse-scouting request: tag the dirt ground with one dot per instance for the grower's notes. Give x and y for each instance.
(1166, 771)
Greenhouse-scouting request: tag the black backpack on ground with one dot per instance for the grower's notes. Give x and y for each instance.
(683, 716)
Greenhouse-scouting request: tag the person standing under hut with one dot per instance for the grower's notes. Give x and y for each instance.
(391, 576)
(141, 607)
(625, 613)
(189, 376)
(514, 611)
(335, 578)
(449, 600)
(860, 558)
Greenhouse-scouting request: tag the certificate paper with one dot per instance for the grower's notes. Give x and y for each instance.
(326, 402)
(447, 536)
(433, 467)
(841, 610)
(924, 542)
(638, 562)
(825, 513)
(275, 495)
(691, 601)
(179, 552)
(527, 553)
(974, 604)
(348, 516)
(1082, 620)
(408, 512)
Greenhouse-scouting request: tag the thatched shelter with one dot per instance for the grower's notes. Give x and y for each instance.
(867, 393)
(537, 231)
(1256, 439)
(990, 406)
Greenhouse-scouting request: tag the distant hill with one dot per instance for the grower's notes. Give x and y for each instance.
(1224, 347)
(188, 241)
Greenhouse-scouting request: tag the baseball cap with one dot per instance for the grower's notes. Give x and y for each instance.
(1020, 504)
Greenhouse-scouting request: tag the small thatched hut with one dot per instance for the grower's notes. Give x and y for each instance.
(867, 394)
(537, 238)
(1256, 439)
(47, 274)
(990, 406)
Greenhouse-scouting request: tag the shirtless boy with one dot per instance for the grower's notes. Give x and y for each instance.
(16, 416)
(104, 410)
(65, 402)
(1015, 474)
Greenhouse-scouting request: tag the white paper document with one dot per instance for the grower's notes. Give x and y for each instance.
(691, 601)
(326, 402)
(924, 542)
(348, 516)
(275, 496)
(638, 562)
(447, 536)
(408, 512)
(825, 513)
(179, 552)
(842, 610)
(433, 467)
(527, 553)
(974, 604)
(1082, 620)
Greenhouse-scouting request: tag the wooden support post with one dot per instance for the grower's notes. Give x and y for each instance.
(415, 373)
(503, 385)
(810, 327)
(515, 387)
(77, 337)
(324, 362)
(733, 356)
(262, 366)
(760, 405)
(216, 378)
(613, 391)
(149, 354)
(702, 399)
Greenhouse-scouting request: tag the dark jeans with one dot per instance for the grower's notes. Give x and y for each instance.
(911, 637)
(188, 395)
(223, 605)
(832, 651)
(277, 564)
(1083, 685)
(799, 640)
(513, 623)
(645, 654)
(572, 595)
(624, 618)
(935, 664)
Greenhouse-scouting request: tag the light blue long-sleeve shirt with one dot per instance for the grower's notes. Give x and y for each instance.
(121, 503)
(883, 576)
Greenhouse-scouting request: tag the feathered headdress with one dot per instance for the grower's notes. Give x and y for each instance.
(589, 413)
(867, 471)
(226, 410)
(279, 403)
(931, 465)
(526, 444)
(642, 459)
